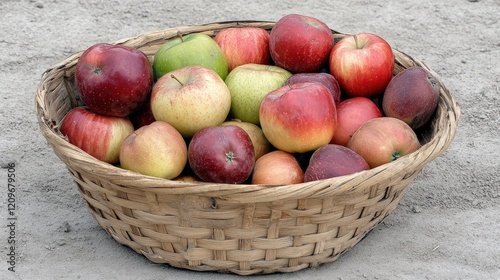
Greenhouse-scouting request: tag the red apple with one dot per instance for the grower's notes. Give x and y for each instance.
(191, 98)
(412, 96)
(299, 117)
(300, 44)
(143, 115)
(382, 140)
(326, 79)
(155, 150)
(277, 167)
(260, 143)
(351, 114)
(113, 80)
(222, 154)
(244, 45)
(98, 135)
(362, 64)
(333, 160)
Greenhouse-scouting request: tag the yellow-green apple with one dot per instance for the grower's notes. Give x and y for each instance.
(412, 96)
(98, 135)
(298, 118)
(113, 80)
(351, 114)
(382, 140)
(143, 115)
(277, 167)
(260, 143)
(362, 64)
(248, 84)
(222, 154)
(191, 49)
(333, 160)
(191, 98)
(157, 150)
(243, 45)
(326, 79)
(300, 43)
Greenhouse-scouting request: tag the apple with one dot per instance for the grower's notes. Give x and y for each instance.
(243, 45)
(382, 140)
(157, 150)
(351, 114)
(300, 44)
(260, 143)
(113, 80)
(412, 96)
(143, 115)
(298, 118)
(333, 160)
(277, 167)
(362, 64)
(186, 50)
(222, 154)
(98, 135)
(326, 79)
(191, 98)
(248, 84)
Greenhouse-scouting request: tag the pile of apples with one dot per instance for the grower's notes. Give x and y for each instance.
(250, 106)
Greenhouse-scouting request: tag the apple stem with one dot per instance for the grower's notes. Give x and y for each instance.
(180, 36)
(356, 41)
(175, 78)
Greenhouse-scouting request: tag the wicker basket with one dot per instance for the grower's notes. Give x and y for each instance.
(242, 229)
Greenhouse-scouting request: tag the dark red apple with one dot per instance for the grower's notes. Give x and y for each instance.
(143, 115)
(300, 44)
(326, 79)
(412, 96)
(98, 135)
(333, 160)
(221, 154)
(113, 80)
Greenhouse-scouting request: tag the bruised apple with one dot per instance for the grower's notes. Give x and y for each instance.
(412, 96)
(382, 140)
(351, 114)
(333, 160)
(277, 167)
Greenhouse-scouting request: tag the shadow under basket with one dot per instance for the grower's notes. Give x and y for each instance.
(241, 229)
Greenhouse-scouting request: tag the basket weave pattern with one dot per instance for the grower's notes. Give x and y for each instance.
(242, 229)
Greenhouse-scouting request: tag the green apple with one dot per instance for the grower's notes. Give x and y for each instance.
(248, 84)
(191, 49)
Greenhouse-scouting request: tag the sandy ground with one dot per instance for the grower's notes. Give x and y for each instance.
(446, 227)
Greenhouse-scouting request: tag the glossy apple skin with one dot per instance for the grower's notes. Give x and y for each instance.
(98, 135)
(298, 118)
(333, 160)
(222, 154)
(363, 68)
(156, 150)
(277, 167)
(412, 96)
(197, 99)
(326, 79)
(260, 143)
(192, 49)
(300, 44)
(113, 80)
(382, 140)
(243, 45)
(248, 84)
(351, 114)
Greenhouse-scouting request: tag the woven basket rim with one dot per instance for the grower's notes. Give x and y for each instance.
(242, 193)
